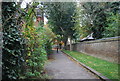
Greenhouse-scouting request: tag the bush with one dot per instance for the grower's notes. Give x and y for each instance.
(13, 45)
(24, 52)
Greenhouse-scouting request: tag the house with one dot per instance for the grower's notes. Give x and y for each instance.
(39, 17)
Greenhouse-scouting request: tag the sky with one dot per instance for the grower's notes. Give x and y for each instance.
(23, 5)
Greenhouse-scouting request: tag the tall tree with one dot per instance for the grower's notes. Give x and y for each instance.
(93, 18)
(61, 18)
(113, 18)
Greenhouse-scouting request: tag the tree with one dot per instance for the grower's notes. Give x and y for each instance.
(113, 18)
(24, 53)
(50, 37)
(61, 18)
(93, 18)
(112, 29)
(35, 55)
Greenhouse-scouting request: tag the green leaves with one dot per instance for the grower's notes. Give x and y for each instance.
(24, 52)
(98, 18)
(35, 50)
(112, 28)
(12, 47)
(62, 22)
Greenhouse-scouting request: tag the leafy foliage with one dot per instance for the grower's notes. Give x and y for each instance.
(62, 22)
(13, 45)
(49, 40)
(94, 17)
(112, 29)
(38, 43)
(35, 46)
(24, 48)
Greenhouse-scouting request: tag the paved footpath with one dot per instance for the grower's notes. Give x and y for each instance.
(61, 67)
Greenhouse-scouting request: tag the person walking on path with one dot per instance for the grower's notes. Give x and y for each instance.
(57, 48)
(60, 45)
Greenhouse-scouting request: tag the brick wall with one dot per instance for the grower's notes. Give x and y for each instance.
(106, 49)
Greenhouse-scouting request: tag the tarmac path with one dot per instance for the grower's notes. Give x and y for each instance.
(61, 67)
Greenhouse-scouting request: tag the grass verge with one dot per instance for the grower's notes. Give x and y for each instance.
(104, 67)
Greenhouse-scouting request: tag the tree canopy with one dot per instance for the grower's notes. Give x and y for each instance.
(61, 18)
(97, 17)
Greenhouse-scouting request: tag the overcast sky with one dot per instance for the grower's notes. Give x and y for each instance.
(23, 5)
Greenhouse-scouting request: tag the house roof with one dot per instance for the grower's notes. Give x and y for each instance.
(89, 37)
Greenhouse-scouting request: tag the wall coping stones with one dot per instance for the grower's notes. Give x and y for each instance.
(106, 48)
(100, 40)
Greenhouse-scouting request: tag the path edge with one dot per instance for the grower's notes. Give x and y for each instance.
(104, 78)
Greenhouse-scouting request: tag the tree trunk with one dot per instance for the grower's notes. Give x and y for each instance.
(65, 41)
(70, 44)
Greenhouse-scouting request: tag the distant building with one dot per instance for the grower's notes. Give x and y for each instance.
(39, 17)
(89, 37)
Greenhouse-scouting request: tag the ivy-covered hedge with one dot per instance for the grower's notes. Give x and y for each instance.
(13, 46)
(24, 45)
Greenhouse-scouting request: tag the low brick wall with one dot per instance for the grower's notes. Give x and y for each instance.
(106, 49)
